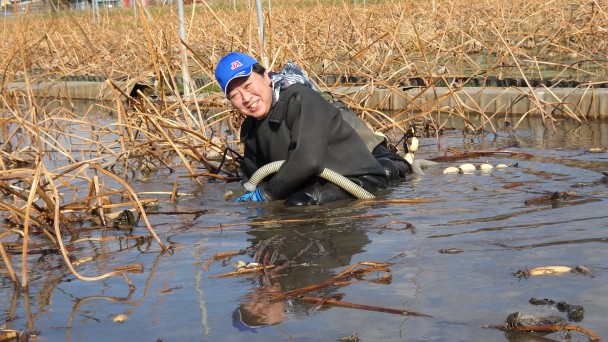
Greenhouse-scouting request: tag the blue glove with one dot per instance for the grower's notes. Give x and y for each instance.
(255, 196)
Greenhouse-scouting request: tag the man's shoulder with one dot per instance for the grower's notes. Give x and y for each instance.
(299, 89)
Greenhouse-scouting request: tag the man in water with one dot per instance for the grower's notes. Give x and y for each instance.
(287, 119)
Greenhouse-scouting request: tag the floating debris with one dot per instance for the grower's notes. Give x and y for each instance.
(517, 319)
(239, 264)
(14, 335)
(513, 185)
(554, 196)
(126, 218)
(80, 262)
(544, 301)
(120, 318)
(549, 270)
(543, 271)
(249, 269)
(552, 270)
(344, 304)
(543, 325)
(469, 167)
(601, 181)
(451, 251)
(351, 338)
(584, 270)
(134, 268)
(350, 273)
(170, 289)
(396, 225)
(575, 313)
(595, 150)
(222, 255)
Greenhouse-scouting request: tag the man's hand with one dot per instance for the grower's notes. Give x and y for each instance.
(255, 196)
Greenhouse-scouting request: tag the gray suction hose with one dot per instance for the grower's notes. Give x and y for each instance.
(327, 174)
(419, 164)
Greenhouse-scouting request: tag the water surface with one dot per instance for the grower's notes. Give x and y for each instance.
(176, 299)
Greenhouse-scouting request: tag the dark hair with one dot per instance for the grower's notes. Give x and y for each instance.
(258, 69)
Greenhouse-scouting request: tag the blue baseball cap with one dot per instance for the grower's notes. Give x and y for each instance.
(231, 66)
(238, 322)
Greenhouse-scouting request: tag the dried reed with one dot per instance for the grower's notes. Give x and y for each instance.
(385, 44)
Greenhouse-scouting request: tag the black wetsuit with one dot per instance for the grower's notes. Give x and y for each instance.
(308, 133)
(396, 166)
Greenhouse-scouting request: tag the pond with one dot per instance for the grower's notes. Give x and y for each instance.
(452, 259)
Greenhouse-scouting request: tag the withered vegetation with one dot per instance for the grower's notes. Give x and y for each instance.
(63, 170)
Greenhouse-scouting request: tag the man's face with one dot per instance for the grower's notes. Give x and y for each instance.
(251, 95)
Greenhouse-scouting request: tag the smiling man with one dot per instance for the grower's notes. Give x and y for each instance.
(287, 119)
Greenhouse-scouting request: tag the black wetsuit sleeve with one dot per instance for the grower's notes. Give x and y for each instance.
(311, 120)
(249, 163)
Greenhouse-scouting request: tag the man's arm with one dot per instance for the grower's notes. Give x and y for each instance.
(311, 120)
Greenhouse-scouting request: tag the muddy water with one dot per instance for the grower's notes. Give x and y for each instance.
(477, 213)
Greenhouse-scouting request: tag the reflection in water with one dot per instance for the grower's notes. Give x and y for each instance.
(532, 132)
(563, 242)
(258, 311)
(81, 302)
(305, 253)
(53, 277)
(200, 294)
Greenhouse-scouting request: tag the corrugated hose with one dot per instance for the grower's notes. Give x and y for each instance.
(327, 174)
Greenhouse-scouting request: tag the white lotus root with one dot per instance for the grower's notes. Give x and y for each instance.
(451, 169)
(485, 167)
(414, 144)
(467, 167)
(409, 157)
(120, 318)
